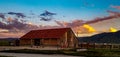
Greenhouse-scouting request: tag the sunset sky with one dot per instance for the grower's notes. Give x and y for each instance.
(21, 16)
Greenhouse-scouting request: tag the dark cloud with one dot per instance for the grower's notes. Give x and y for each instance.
(46, 16)
(45, 19)
(20, 25)
(23, 21)
(113, 13)
(47, 13)
(74, 23)
(2, 25)
(17, 26)
(17, 14)
(2, 16)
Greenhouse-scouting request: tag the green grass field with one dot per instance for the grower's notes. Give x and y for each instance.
(72, 52)
(4, 43)
(5, 56)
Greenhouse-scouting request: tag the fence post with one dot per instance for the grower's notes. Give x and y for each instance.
(94, 45)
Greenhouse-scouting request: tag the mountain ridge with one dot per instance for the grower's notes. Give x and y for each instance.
(106, 37)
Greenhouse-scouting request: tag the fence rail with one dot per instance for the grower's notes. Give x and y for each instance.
(99, 45)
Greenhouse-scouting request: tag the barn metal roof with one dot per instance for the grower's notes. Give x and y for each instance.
(46, 33)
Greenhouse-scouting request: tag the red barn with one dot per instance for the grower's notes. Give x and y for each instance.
(60, 37)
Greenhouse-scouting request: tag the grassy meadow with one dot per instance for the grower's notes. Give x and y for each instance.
(72, 52)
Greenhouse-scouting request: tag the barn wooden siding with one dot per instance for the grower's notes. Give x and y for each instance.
(61, 37)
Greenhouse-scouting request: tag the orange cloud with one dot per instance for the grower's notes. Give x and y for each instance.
(4, 30)
(113, 29)
(90, 28)
(13, 35)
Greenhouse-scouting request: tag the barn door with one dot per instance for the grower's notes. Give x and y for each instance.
(36, 42)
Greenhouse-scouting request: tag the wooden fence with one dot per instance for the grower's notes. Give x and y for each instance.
(99, 45)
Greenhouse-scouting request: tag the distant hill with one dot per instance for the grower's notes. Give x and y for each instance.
(9, 39)
(109, 37)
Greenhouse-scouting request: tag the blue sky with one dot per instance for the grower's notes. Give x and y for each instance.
(66, 10)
